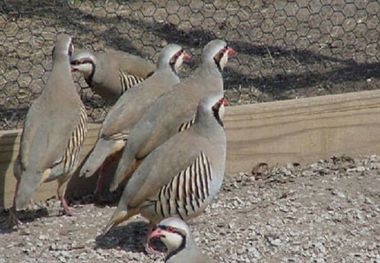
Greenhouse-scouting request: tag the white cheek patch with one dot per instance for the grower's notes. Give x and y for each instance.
(223, 60)
(171, 240)
(85, 68)
(178, 62)
(221, 111)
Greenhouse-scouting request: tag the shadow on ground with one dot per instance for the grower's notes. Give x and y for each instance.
(130, 237)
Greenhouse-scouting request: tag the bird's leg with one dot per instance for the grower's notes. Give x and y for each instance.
(101, 178)
(13, 217)
(11, 220)
(12, 213)
(62, 184)
(102, 194)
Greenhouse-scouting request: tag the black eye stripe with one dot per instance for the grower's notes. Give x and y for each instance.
(168, 229)
(179, 53)
(71, 48)
(81, 61)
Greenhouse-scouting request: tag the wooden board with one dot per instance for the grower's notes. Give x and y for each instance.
(9, 146)
(303, 131)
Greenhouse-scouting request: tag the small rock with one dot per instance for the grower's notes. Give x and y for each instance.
(360, 169)
(276, 242)
(368, 201)
(338, 193)
(307, 173)
(43, 237)
(254, 252)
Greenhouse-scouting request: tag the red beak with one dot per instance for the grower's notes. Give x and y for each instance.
(231, 52)
(186, 56)
(156, 233)
(224, 102)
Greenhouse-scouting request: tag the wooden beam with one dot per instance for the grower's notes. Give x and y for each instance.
(303, 131)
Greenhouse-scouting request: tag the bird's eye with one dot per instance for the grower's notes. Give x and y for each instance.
(179, 53)
(171, 229)
(168, 229)
(176, 56)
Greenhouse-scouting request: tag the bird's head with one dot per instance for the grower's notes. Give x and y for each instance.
(173, 56)
(217, 51)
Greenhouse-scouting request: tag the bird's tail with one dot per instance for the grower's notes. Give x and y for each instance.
(27, 185)
(102, 149)
(119, 216)
(126, 166)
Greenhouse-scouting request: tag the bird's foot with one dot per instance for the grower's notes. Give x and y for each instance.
(10, 222)
(67, 210)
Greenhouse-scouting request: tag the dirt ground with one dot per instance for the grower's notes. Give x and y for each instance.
(328, 211)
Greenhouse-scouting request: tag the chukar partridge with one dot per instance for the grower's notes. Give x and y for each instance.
(53, 132)
(174, 111)
(181, 176)
(131, 106)
(112, 72)
(175, 234)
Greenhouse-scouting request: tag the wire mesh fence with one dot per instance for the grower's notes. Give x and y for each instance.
(286, 49)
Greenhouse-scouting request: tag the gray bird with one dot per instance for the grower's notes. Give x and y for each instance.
(174, 111)
(53, 132)
(131, 106)
(175, 234)
(181, 176)
(112, 72)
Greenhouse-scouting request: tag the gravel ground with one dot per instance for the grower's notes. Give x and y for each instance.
(328, 211)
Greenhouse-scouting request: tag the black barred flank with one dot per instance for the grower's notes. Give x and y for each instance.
(71, 155)
(128, 81)
(187, 191)
(186, 125)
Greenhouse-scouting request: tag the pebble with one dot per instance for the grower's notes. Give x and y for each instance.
(368, 201)
(292, 214)
(338, 193)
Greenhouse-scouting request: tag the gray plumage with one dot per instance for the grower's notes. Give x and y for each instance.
(181, 176)
(177, 238)
(131, 106)
(53, 132)
(112, 72)
(174, 111)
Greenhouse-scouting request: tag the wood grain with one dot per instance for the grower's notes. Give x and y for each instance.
(303, 131)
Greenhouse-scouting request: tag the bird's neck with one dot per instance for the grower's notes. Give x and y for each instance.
(90, 76)
(211, 67)
(61, 81)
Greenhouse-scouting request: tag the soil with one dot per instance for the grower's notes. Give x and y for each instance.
(328, 211)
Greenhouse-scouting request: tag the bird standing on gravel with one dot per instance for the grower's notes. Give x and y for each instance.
(53, 132)
(112, 72)
(174, 111)
(131, 106)
(181, 176)
(176, 236)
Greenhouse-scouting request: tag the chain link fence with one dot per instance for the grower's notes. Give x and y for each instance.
(286, 49)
